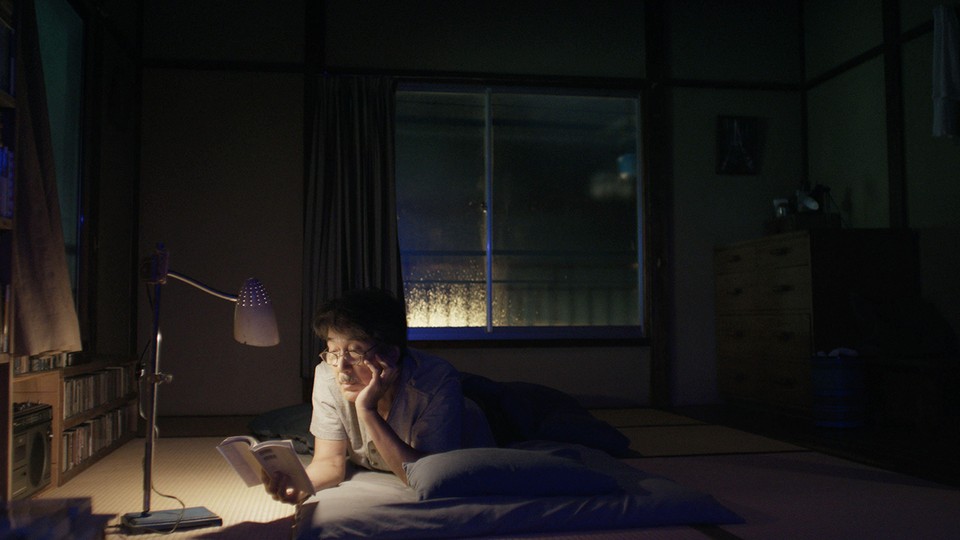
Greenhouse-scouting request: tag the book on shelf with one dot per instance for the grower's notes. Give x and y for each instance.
(90, 390)
(7, 189)
(83, 441)
(6, 302)
(7, 162)
(40, 362)
(251, 459)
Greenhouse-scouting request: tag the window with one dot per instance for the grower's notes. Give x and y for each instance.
(519, 213)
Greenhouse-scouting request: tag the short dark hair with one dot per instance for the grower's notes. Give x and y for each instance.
(369, 314)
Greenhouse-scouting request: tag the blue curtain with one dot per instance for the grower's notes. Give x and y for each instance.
(350, 217)
(46, 317)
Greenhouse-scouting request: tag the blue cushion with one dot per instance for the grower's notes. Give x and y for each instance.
(291, 422)
(521, 411)
(473, 472)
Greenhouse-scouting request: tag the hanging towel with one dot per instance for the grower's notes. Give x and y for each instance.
(946, 72)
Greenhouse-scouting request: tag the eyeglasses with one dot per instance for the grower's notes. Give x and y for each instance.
(353, 357)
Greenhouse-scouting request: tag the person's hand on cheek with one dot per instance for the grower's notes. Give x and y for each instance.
(382, 374)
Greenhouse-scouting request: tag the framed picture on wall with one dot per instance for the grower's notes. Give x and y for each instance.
(738, 145)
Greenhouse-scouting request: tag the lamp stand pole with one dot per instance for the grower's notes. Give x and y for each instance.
(154, 378)
(163, 520)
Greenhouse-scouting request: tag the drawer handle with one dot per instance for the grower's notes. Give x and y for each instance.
(736, 291)
(780, 252)
(782, 289)
(785, 336)
(735, 259)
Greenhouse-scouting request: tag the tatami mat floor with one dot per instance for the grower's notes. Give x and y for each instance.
(187, 465)
(189, 468)
(931, 452)
(790, 484)
(642, 417)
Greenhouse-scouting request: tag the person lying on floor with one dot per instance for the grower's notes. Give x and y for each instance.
(376, 402)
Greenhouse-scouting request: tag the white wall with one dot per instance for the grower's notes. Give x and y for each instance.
(221, 177)
(848, 145)
(717, 209)
(755, 42)
(222, 167)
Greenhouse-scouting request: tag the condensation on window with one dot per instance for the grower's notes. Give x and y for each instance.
(527, 216)
(440, 305)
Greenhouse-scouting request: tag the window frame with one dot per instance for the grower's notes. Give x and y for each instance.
(511, 335)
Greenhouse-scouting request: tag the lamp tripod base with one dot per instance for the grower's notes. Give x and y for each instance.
(169, 520)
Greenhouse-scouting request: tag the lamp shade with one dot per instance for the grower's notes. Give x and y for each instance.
(254, 322)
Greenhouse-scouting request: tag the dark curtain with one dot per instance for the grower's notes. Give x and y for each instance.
(350, 212)
(46, 318)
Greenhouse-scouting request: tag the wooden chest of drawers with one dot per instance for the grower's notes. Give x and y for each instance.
(784, 298)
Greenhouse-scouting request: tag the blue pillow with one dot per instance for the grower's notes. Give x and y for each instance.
(291, 422)
(582, 428)
(521, 411)
(475, 472)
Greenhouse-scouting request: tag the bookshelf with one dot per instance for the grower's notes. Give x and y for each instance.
(94, 410)
(99, 413)
(93, 404)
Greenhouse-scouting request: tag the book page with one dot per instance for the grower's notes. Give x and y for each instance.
(237, 452)
(279, 456)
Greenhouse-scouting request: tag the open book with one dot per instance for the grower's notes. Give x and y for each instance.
(249, 458)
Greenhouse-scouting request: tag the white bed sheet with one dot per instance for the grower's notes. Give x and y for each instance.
(378, 505)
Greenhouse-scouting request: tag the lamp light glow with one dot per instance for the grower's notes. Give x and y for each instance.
(254, 322)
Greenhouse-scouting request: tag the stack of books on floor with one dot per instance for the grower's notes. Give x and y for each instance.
(52, 519)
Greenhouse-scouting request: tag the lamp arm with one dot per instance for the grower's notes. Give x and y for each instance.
(205, 288)
(254, 324)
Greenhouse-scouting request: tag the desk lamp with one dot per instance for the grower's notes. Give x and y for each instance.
(254, 324)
